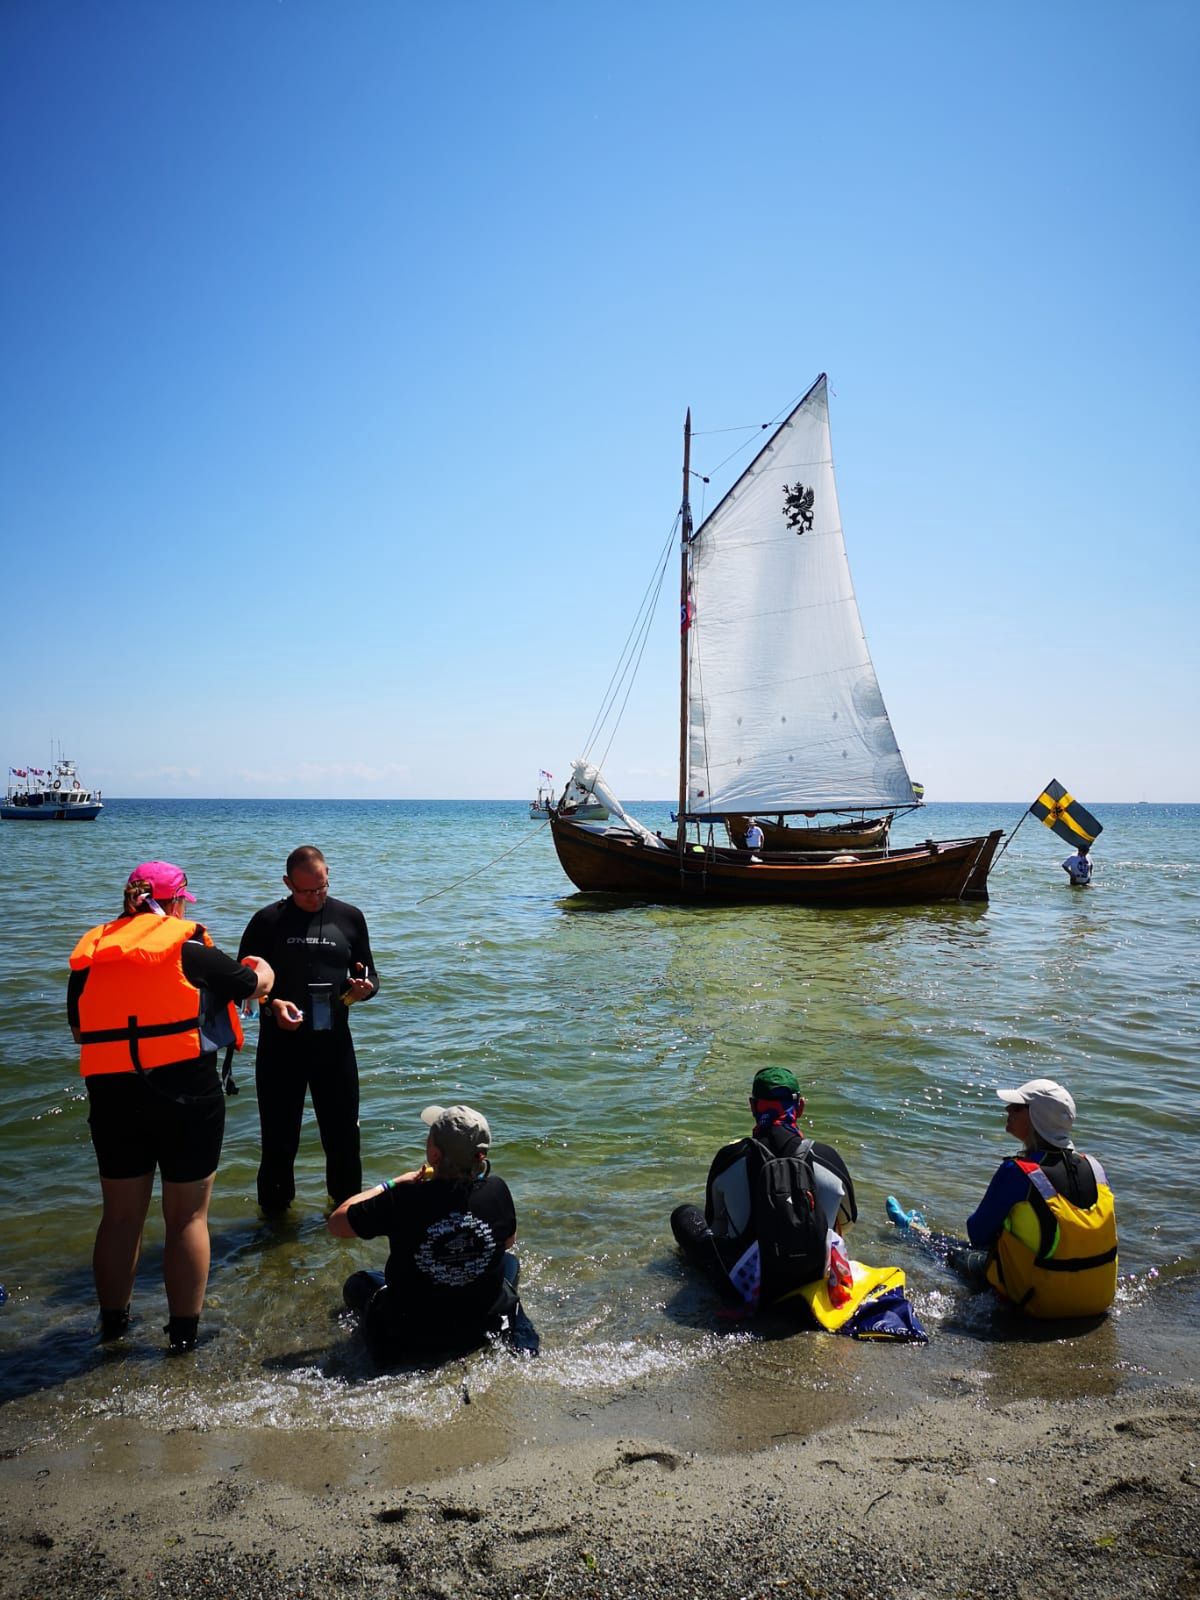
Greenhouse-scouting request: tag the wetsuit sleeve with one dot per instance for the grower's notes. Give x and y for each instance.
(360, 948)
(1008, 1186)
(256, 936)
(828, 1157)
(211, 969)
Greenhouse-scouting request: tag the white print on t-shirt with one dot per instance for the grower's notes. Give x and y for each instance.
(456, 1250)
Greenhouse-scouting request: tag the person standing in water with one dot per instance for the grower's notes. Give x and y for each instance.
(150, 1001)
(321, 953)
(1078, 867)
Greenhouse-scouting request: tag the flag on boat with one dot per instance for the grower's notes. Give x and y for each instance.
(1064, 815)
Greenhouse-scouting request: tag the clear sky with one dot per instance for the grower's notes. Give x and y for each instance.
(346, 347)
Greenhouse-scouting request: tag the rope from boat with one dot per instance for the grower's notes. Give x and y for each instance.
(1010, 838)
(486, 866)
(962, 893)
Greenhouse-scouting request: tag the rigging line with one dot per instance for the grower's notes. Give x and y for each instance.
(460, 881)
(641, 623)
(742, 427)
(783, 412)
(633, 674)
(621, 667)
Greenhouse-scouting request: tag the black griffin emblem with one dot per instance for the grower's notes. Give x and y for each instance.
(798, 507)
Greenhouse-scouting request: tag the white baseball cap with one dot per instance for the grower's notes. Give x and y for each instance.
(1050, 1106)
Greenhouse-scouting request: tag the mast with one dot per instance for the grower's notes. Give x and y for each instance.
(685, 539)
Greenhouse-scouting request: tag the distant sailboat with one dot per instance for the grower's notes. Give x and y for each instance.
(781, 712)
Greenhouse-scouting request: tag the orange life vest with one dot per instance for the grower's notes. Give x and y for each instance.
(138, 1011)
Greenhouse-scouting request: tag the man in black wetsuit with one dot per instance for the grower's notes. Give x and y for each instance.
(321, 953)
(723, 1239)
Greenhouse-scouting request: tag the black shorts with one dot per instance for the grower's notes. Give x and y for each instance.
(172, 1118)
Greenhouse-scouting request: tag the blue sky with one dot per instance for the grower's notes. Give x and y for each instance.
(345, 351)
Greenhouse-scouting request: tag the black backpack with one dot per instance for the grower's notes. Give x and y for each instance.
(788, 1221)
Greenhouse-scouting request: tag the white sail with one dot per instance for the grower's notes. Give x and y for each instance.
(588, 778)
(784, 707)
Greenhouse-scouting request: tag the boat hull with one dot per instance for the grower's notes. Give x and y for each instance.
(842, 836)
(50, 812)
(617, 861)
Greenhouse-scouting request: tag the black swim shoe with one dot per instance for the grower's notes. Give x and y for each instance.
(113, 1324)
(181, 1334)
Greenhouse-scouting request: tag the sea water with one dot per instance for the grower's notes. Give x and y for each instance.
(611, 1045)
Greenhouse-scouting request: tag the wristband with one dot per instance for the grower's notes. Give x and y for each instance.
(385, 1186)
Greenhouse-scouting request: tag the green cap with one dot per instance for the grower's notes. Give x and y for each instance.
(771, 1080)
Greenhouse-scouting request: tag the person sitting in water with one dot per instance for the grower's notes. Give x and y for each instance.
(1044, 1236)
(450, 1278)
(1078, 868)
(736, 1239)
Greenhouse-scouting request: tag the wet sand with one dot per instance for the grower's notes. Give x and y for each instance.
(1095, 1490)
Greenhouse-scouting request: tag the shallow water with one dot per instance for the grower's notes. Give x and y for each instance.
(611, 1046)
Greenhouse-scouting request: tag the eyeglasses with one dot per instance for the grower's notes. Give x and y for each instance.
(318, 888)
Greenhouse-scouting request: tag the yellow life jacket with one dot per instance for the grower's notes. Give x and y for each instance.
(137, 1010)
(864, 1282)
(1054, 1258)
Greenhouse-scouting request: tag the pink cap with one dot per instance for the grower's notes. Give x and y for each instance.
(166, 882)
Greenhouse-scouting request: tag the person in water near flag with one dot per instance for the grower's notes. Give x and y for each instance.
(150, 1002)
(771, 1202)
(1078, 868)
(1044, 1236)
(451, 1276)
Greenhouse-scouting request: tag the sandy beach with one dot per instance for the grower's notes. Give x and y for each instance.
(947, 1497)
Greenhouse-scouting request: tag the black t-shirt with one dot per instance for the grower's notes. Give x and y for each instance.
(447, 1243)
(307, 947)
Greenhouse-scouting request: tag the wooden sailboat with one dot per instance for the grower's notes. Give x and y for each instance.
(780, 709)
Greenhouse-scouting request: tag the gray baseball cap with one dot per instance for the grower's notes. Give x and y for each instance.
(460, 1133)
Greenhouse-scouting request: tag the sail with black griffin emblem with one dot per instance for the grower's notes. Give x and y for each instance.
(785, 712)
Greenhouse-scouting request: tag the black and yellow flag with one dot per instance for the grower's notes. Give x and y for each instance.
(1063, 815)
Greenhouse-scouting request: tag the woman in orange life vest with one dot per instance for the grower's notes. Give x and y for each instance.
(1045, 1232)
(150, 1001)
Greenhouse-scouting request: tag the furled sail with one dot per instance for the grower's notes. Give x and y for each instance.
(784, 710)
